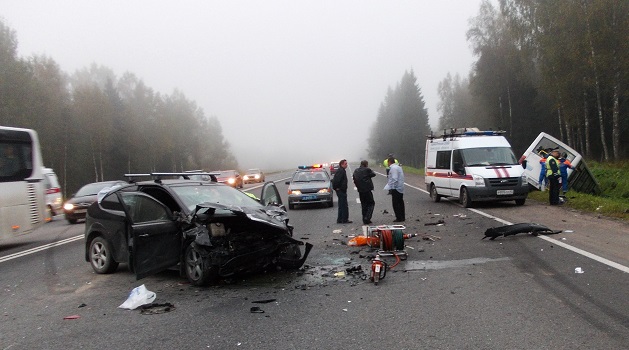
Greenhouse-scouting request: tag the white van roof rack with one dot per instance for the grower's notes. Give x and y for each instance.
(455, 132)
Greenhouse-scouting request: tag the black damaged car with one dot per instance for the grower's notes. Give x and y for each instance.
(210, 230)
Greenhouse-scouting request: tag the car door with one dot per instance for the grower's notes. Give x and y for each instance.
(155, 237)
(270, 195)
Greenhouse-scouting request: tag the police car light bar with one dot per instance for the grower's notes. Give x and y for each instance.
(314, 166)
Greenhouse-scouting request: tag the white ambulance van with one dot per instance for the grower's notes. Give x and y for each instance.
(474, 166)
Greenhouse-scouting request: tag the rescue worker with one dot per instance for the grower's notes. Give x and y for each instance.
(564, 165)
(387, 163)
(553, 175)
(542, 174)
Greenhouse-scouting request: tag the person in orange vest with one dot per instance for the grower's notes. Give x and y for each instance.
(553, 175)
(564, 165)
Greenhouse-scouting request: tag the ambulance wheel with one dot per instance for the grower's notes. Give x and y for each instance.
(465, 199)
(433, 193)
(520, 201)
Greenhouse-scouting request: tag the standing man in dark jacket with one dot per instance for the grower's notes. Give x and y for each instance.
(339, 183)
(362, 179)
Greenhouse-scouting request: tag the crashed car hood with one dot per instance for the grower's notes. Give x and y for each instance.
(270, 215)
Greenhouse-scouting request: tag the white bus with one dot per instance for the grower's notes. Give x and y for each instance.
(22, 193)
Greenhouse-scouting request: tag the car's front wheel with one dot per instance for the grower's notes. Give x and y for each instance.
(465, 198)
(101, 256)
(199, 270)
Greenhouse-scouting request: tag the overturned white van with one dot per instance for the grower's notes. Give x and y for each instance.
(474, 166)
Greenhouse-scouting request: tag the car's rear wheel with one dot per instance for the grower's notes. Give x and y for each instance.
(49, 213)
(433, 193)
(72, 221)
(101, 256)
(199, 269)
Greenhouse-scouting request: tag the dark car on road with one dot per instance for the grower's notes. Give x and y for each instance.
(253, 176)
(208, 229)
(76, 207)
(229, 177)
(310, 185)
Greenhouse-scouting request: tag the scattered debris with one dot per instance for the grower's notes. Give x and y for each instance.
(337, 231)
(439, 222)
(385, 212)
(155, 308)
(256, 310)
(510, 230)
(578, 270)
(82, 305)
(73, 317)
(568, 231)
(265, 301)
(139, 296)
(428, 237)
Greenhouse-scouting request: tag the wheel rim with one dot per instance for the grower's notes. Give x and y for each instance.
(433, 191)
(194, 264)
(464, 196)
(99, 255)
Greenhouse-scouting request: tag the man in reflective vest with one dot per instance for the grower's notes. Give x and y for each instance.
(553, 175)
(387, 163)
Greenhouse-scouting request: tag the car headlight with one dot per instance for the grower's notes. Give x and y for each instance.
(68, 206)
(257, 176)
(246, 177)
(324, 190)
(295, 192)
(231, 181)
(524, 180)
(479, 181)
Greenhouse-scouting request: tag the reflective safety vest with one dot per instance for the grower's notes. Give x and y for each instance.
(552, 166)
(386, 163)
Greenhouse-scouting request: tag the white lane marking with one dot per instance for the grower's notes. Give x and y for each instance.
(587, 254)
(40, 248)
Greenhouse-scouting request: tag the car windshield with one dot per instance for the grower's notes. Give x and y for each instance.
(488, 156)
(303, 176)
(93, 189)
(253, 171)
(225, 174)
(191, 195)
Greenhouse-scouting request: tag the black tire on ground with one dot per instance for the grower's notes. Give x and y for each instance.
(72, 221)
(433, 193)
(291, 206)
(101, 256)
(465, 199)
(199, 270)
(520, 201)
(331, 203)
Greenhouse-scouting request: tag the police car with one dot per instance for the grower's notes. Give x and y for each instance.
(310, 184)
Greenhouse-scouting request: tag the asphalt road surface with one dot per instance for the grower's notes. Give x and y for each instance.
(454, 291)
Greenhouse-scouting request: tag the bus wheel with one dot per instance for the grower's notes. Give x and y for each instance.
(465, 199)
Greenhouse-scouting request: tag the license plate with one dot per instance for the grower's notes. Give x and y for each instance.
(80, 211)
(377, 268)
(504, 192)
(308, 198)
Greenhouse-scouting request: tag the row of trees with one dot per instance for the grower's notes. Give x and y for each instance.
(555, 66)
(401, 125)
(94, 126)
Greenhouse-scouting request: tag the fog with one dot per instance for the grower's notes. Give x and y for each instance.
(292, 82)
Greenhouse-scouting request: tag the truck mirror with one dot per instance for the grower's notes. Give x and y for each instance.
(458, 168)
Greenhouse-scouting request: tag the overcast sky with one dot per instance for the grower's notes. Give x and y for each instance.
(290, 81)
